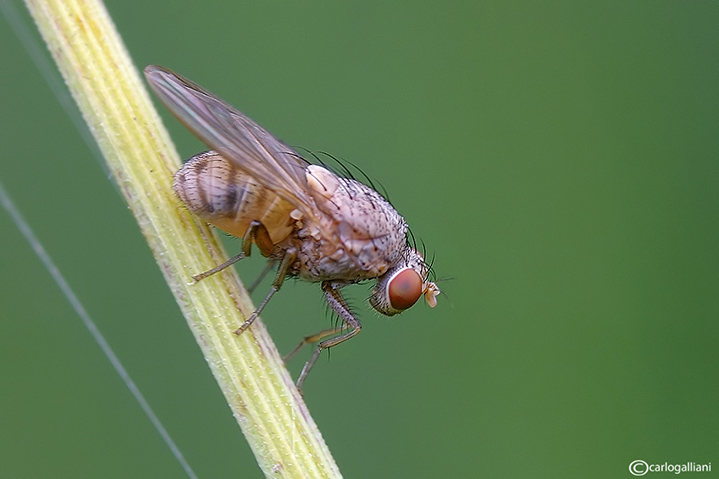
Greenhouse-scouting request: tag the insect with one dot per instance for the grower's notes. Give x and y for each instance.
(316, 225)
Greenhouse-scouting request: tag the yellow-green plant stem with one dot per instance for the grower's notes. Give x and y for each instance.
(116, 106)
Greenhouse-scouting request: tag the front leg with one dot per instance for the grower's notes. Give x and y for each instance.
(339, 305)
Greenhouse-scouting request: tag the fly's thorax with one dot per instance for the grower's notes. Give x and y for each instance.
(320, 259)
(221, 194)
(369, 234)
(403, 284)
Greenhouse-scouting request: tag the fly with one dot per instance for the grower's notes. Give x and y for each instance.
(314, 224)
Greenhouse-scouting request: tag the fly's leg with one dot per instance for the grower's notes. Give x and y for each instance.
(268, 267)
(256, 231)
(287, 260)
(314, 339)
(339, 305)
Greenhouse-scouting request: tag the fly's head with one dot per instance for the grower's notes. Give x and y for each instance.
(403, 284)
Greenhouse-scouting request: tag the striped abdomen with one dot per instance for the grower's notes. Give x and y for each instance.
(221, 194)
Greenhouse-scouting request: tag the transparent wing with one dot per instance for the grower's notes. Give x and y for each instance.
(234, 136)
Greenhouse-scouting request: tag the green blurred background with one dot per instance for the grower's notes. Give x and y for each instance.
(560, 159)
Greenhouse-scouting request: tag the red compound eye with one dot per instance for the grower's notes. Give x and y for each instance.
(404, 289)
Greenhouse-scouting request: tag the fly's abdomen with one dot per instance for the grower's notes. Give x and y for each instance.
(221, 194)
